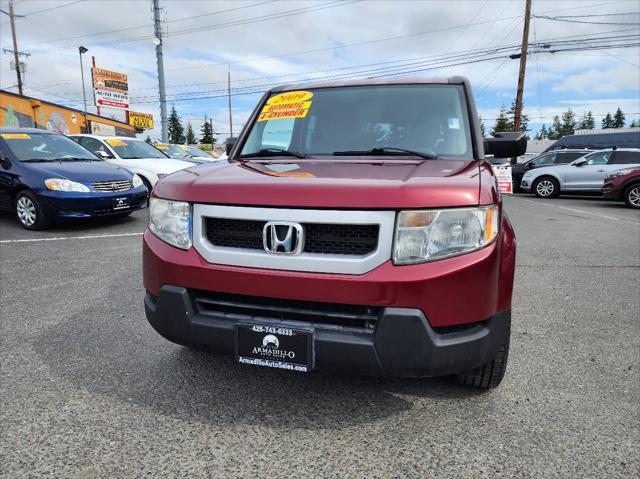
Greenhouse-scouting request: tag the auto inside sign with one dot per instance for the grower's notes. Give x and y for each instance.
(111, 89)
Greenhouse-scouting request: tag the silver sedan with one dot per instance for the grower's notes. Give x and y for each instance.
(586, 174)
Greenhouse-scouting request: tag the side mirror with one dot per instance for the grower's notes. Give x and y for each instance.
(4, 161)
(229, 142)
(580, 163)
(529, 165)
(506, 144)
(102, 154)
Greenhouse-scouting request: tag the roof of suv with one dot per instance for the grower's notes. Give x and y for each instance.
(369, 82)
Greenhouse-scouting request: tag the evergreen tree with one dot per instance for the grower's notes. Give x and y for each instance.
(607, 121)
(206, 132)
(555, 132)
(634, 124)
(587, 123)
(191, 136)
(524, 119)
(543, 133)
(568, 123)
(618, 119)
(482, 127)
(148, 139)
(503, 122)
(176, 130)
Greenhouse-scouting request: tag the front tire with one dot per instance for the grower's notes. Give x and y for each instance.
(491, 374)
(632, 196)
(546, 187)
(29, 211)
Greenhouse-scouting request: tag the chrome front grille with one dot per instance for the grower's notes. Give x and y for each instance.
(113, 185)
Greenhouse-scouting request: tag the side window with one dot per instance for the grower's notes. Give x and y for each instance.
(544, 160)
(626, 158)
(94, 145)
(600, 158)
(564, 158)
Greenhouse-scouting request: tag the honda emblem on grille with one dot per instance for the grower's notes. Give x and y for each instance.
(282, 237)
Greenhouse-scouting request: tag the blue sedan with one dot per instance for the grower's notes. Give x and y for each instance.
(46, 177)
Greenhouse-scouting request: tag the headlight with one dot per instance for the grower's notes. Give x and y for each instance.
(137, 181)
(428, 235)
(615, 174)
(171, 222)
(60, 184)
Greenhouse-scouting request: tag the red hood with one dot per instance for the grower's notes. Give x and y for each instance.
(336, 183)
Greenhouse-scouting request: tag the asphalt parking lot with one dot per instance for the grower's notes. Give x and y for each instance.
(90, 390)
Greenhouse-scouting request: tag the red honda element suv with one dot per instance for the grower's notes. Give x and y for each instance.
(354, 228)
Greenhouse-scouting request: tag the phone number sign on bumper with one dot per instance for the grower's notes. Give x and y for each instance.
(274, 347)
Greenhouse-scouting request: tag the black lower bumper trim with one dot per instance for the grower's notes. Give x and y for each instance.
(403, 343)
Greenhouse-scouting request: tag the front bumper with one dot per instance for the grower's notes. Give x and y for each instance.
(402, 343)
(611, 191)
(525, 185)
(58, 205)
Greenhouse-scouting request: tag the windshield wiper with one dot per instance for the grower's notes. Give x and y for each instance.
(385, 150)
(273, 152)
(77, 158)
(36, 160)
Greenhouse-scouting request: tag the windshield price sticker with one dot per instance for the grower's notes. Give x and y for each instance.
(162, 147)
(15, 136)
(116, 142)
(293, 104)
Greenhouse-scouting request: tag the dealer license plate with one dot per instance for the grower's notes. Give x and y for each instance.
(274, 347)
(121, 204)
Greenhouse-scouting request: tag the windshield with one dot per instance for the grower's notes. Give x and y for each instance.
(128, 149)
(193, 151)
(173, 151)
(429, 119)
(46, 147)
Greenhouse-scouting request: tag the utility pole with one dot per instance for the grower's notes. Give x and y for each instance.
(523, 66)
(159, 59)
(82, 50)
(16, 53)
(229, 97)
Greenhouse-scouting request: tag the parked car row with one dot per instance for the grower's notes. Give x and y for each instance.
(615, 173)
(47, 177)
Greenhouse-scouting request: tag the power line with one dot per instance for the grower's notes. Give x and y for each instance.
(218, 12)
(559, 19)
(46, 10)
(288, 13)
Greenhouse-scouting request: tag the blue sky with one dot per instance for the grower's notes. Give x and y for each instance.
(271, 42)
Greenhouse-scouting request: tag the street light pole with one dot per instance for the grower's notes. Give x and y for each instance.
(82, 50)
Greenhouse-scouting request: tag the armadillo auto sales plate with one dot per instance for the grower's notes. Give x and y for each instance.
(274, 347)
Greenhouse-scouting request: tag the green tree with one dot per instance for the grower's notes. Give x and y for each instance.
(588, 122)
(191, 136)
(206, 132)
(634, 124)
(147, 139)
(607, 121)
(503, 122)
(568, 123)
(555, 132)
(176, 130)
(618, 119)
(483, 129)
(543, 133)
(524, 119)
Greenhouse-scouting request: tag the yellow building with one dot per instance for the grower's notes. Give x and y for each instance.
(23, 111)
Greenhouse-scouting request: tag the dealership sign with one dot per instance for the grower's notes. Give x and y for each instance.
(110, 89)
(141, 120)
(505, 182)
